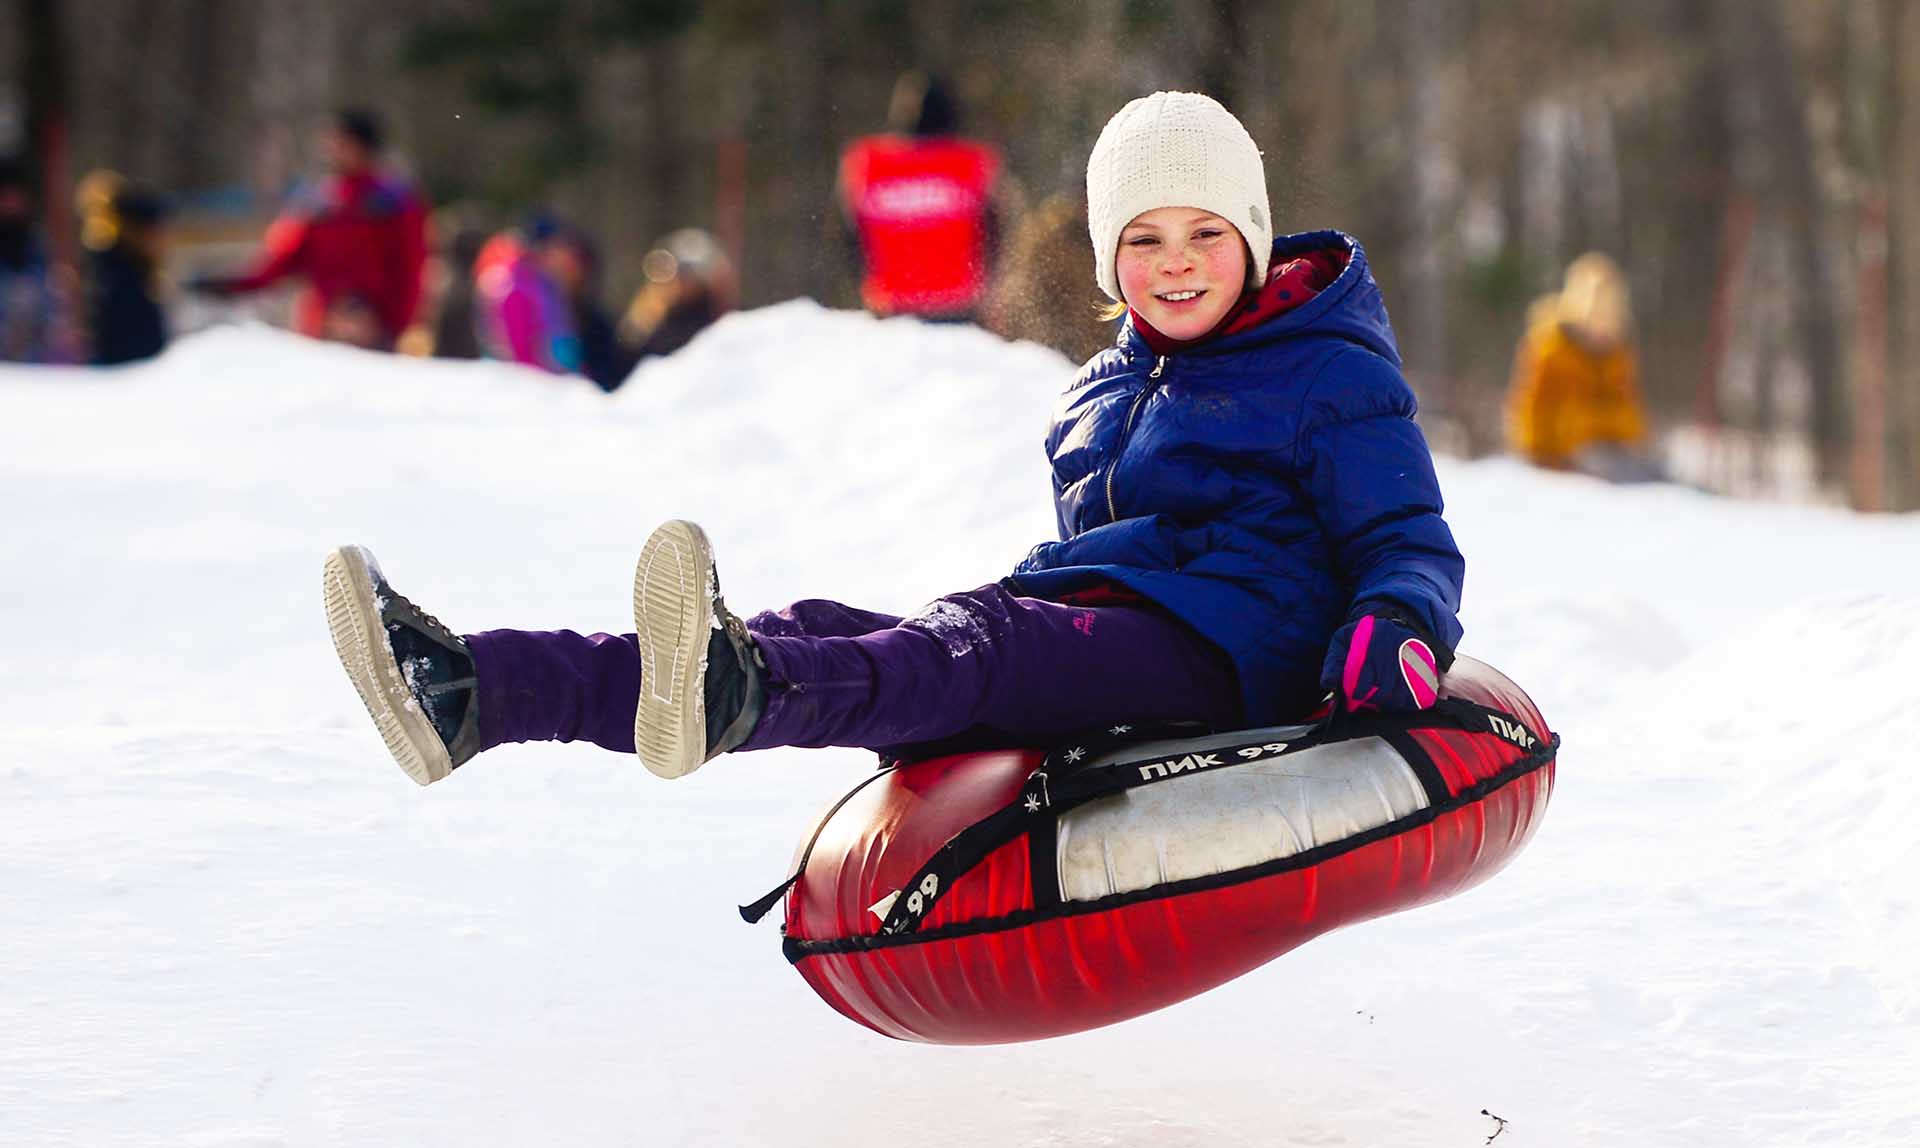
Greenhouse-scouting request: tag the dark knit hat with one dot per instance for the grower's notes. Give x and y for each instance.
(922, 105)
(360, 125)
(140, 205)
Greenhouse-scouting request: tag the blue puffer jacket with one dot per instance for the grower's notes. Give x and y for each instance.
(1259, 486)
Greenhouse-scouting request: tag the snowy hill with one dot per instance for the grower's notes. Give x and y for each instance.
(230, 920)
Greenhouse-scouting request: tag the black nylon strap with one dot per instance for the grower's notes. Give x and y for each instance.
(1043, 860)
(1420, 761)
(966, 849)
(752, 912)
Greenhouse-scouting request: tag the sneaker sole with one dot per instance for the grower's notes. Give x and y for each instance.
(672, 613)
(353, 618)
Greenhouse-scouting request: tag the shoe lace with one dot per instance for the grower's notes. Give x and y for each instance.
(426, 621)
(435, 626)
(418, 620)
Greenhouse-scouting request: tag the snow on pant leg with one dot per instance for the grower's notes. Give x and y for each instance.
(819, 618)
(988, 659)
(557, 685)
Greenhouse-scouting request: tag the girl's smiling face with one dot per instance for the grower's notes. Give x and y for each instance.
(1181, 269)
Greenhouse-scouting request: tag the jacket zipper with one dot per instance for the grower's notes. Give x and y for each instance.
(1126, 431)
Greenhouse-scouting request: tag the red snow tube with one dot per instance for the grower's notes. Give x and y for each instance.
(1015, 895)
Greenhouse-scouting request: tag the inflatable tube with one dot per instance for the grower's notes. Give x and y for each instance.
(1004, 896)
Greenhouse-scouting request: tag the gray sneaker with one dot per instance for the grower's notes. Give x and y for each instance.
(414, 675)
(702, 682)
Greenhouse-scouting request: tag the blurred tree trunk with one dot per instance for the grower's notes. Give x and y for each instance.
(1228, 49)
(1869, 117)
(289, 82)
(1774, 164)
(201, 144)
(809, 237)
(1902, 27)
(47, 119)
(1429, 170)
(1682, 215)
(126, 47)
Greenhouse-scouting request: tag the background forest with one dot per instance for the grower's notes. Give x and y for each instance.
(1753, 164)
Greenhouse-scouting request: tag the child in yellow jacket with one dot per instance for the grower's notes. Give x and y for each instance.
(1575, 378)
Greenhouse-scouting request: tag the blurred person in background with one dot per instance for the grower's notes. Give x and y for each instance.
(360, 232)
(920, 202)
(451, 333)
(690, 283)
(123, 226)
(571, 261)
(36, 323)
(1048, 264)
(522, 313)
(536, 301)
(1574, 401)
(517, 314)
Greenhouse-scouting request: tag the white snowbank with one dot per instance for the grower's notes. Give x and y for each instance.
(230, 920)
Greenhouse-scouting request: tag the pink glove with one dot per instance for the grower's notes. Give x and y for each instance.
(1381, 661)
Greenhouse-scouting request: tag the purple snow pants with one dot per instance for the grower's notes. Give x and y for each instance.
(984, 664)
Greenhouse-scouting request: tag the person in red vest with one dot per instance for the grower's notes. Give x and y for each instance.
(920, 202)
(358, 238)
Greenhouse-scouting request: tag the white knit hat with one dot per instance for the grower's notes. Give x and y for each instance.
(1175, 149)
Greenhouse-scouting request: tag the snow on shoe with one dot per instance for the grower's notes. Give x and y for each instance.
(420, 698)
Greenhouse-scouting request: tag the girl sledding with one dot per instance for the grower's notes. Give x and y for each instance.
(1249, 519)
(1250, 534)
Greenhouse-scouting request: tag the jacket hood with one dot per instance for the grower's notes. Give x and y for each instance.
(1350, 308)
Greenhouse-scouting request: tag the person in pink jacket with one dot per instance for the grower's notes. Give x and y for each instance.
(520, 311)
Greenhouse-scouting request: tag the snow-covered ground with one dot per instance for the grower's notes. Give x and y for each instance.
(229, 920)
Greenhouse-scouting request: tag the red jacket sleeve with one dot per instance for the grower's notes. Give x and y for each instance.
(282, 253)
